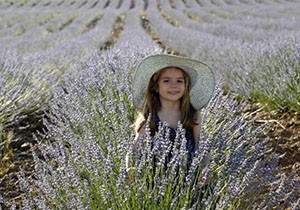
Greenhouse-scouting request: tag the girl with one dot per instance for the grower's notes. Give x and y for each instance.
(171, 89)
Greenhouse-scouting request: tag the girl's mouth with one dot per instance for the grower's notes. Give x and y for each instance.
(173, 92)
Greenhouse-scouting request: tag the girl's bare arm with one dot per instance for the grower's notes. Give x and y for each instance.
(196, 132)
(135, 147)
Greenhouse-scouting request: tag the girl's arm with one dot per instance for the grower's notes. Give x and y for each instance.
(135, 148)
(197, 128)
(196, 132)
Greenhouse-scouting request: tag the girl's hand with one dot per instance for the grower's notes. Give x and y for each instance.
(131, 173)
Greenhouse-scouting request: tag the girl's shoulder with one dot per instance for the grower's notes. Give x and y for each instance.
(197, 117)
(139, 122)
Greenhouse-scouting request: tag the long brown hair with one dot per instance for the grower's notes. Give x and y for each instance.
(153, 104)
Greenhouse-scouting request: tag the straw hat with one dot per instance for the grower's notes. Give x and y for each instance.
(202, 78)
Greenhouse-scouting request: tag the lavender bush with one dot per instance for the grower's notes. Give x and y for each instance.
(84, 167)
(282, 64)
(24, 87)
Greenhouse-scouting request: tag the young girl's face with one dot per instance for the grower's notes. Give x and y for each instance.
(171, 85)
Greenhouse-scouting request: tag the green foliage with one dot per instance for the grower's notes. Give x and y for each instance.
(6, 151)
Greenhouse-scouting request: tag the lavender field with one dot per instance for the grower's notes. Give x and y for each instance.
(66, 113)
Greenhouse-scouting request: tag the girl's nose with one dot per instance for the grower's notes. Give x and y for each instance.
(174, 83)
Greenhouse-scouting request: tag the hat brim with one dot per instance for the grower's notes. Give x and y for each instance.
(202, 78)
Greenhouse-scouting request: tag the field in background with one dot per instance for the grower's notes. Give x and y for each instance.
(253, 47)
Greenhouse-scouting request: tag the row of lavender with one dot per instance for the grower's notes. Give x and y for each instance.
(47, 51)
(75, 4)
(92, 4)
(91, 112)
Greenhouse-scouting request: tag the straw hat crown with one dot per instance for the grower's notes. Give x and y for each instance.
(202, 78)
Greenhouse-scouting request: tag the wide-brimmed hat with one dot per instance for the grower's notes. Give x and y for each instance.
(202, 78)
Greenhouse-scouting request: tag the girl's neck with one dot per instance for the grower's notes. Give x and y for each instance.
(170, 107)
(170, 114)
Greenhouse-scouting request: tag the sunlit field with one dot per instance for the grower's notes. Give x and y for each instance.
(66, 111)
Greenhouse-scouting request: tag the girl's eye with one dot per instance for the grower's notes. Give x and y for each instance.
(167, 81)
